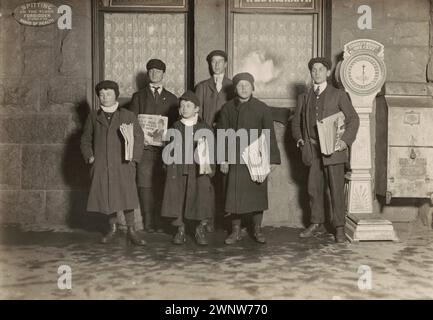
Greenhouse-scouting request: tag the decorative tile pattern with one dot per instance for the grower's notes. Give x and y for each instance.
(132, 39)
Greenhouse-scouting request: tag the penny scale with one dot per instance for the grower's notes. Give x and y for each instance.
(363, 73)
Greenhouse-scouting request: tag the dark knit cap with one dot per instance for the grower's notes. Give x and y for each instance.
(107, 84)
(155, 64)
(190, 96)
(325, 61)
(216, 53)
(243, 76)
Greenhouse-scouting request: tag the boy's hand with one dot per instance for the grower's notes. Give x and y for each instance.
(341, 146)
(300, 143)
(224, 167)
(91, 160)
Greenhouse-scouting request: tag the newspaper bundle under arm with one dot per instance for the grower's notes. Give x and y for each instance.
(203, 156)
(256, 158)
(127, 131)
(330, 131)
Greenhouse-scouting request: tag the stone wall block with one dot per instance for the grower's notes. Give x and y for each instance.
(10, 166)
(33, 128)
(58, 167)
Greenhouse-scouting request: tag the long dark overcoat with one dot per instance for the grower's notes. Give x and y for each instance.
(211, 100)
(242, 194)
(113, 186)
(185, 189)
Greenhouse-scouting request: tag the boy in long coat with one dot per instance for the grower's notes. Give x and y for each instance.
(188, 193)
(325, 172)
(243, 196)
(113, 185)
(154, 99)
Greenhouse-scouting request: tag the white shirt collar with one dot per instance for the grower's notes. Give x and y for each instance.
(322, 86)
(111, 109)
(218, 77)
(152, 86)
(191, 121)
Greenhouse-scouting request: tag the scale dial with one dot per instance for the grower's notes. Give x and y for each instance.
(364, 74)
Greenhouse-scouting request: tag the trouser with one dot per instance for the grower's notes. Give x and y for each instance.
(219, 181)
(149, 205)
(257, 217)
(327, 180)
(129, 218)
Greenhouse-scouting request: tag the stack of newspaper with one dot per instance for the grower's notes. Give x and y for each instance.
(127, 131)
(330, 131)
(203, 156)
(256, 157)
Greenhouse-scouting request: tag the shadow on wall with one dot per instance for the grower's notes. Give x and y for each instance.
(141, 81)
(76, 174)
(297, 170)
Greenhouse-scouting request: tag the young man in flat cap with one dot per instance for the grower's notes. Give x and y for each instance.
(244, 197)
(325, 172)
(156, 100)
(212, 94)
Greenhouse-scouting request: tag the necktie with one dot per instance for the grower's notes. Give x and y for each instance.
(317, 91)
(218, 84)
(156, 93)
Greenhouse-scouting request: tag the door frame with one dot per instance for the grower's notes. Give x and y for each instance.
(322, 17)
(98, 10)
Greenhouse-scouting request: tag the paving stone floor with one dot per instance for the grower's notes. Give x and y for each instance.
(285, 268)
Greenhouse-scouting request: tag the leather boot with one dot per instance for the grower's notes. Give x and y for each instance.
(148, 223)
(180, 237)
(200, 235)
(258, 234)
(235, 236)
(313, 229)
(132, 237)
(340, 236)
(111, 234)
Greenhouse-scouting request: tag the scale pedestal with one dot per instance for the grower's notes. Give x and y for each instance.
(369, 227)
(363, 74)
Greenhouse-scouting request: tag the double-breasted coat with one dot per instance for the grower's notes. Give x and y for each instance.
(113, 186)
(211, 100)
(242, 194)
(335, 100)
(149, 169)
(185, 189)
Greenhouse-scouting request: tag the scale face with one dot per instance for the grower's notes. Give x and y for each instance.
(363, 73)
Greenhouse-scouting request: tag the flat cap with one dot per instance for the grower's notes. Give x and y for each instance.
(216, 53)
(243, 76)
(190, 96)
(155, 64)
(325, 61)
(107, 84)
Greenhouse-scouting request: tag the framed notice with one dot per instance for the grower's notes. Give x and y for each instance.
(149, 3)
(274, 4)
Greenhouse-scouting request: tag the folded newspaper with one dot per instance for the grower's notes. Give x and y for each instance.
(256, 157)
(203, 156)
(330, 131)
(127, 131)
(154, 128)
